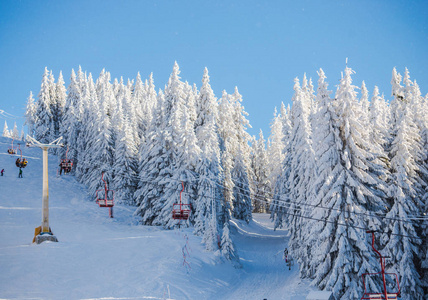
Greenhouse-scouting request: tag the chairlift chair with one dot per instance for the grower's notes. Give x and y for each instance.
(10, 150)
(181, 211)
(105, 197)
(66, 164)
(21, 162)
(385, 295)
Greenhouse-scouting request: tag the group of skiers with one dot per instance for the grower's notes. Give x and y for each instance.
(19, 174)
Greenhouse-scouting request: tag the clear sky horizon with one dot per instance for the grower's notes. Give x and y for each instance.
(258, 46)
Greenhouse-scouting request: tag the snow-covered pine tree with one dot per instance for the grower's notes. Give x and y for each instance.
(6, 132)
(262, 186)
(365, 104)
(58, 105)
(281, 192)
(184, 151)
(243, 205)
(356, 188)
(208, 168)
(130, 114)
(138, 95)
(15, 132)
(102, 151)
(69, 129)
(406, 153)
(161, 159)
(22, 136)
(30, 115)
(228, 141)
(43, 111)
(84, 136)
(124, 160)
(154, 165)
(228, 144)
(241, 172)
(379, 126)
(275, 149)
(302, 168)
(88, 133)
(326, 145)
(399, 242)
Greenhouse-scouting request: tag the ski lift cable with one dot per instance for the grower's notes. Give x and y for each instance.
(306, 217)
(255, 196)
(8, 115)
(258, 197)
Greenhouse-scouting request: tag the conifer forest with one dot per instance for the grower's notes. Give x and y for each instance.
(340, 161)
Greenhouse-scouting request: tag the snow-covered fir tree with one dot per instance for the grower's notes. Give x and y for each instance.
(6, 132)
(262, 185)
(401, 239)
(43, 113)
(275, 149)
(357, 188)
(15, 132)
(208, 168)
(281, 192)
(30, 115)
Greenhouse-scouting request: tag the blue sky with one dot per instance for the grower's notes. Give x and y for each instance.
(258, 46)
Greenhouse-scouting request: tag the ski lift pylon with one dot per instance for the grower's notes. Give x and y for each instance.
(66, 164)
(105, 197)
(385, 295)
(181, 211)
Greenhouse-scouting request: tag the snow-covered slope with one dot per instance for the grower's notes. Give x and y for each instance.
(102, 258)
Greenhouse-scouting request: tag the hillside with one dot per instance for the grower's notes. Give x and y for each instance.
(102, 258)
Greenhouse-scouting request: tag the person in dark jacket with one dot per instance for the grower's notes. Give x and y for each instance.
(2, 171)
(20, 173)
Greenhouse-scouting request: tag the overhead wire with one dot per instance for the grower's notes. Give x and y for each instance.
(150, 181)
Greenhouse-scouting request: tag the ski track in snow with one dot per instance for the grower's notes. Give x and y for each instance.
(109, 259)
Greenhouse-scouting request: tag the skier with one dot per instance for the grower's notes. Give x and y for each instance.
(2, 171)
(20, 173)
(286, 255)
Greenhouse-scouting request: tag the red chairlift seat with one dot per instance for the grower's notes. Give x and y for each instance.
(21, 162)
(10, 150)
(105, 197)
(66, 164)
(103, 200)
(385, 295)
(181, 211)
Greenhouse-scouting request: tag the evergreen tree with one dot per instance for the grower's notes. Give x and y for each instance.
(407, 172)
(15, 132)
(299, 181)
(356, 187)
(58, 104)
(275, 149)
(262, 185)
(282, 193)
(208, 167)
(6, 130)
(30, 115)
(70, 122)
(43, 111)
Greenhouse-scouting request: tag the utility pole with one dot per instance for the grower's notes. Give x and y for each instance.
(43, 232)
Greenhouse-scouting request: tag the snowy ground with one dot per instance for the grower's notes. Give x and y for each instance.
(102, 258)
